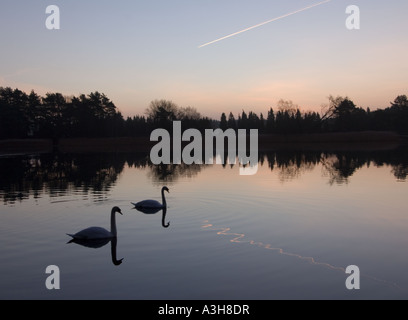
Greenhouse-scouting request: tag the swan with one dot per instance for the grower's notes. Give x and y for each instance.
(97, 233)
(153, 204)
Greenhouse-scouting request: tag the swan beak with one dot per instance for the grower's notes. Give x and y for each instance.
(121, 213)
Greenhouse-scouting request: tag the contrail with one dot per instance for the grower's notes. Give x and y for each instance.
(266, 22)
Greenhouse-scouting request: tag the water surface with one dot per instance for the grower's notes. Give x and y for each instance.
(287, 232)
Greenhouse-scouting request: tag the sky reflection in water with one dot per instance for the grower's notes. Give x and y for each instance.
(287, 232)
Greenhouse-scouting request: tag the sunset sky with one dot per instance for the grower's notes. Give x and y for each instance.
(139, 51)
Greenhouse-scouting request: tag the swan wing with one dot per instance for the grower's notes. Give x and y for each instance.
(148, 204)
(92, 233)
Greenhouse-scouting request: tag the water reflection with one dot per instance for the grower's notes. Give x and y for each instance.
(337, 166)
(241, 238)
(96, 237)
(172, 172)
(99, 243)
(341, 166)
(154, 211)
(93, 175)
(58, 175)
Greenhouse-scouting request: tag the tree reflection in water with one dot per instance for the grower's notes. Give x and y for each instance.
(93, 175)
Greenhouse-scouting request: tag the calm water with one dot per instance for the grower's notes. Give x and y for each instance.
(286, 233)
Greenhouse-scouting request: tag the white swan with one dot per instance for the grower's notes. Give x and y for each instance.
(95, 233)
(152, 204)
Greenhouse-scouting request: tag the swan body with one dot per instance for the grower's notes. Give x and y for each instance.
(148, 210)
(148, 204)
(96, 233)
(92, 233)
(153, 204)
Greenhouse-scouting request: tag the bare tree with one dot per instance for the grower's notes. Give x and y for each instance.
(329, 111)
(162, 111)
(287, 106)
(188, 113)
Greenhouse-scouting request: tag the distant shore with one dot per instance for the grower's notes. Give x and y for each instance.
(367, 140)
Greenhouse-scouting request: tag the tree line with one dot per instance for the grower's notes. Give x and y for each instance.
(57, 116)
(340, 115)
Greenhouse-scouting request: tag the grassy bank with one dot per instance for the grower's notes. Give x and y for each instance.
(326, 141)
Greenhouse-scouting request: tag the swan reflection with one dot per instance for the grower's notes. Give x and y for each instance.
(154, 211)
(99, 243)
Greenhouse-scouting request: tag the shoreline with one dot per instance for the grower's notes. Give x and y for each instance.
(347, 141)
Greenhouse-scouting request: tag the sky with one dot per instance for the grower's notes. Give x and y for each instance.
(139, 51)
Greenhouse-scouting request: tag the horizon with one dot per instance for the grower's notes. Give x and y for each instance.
(277, 107)
(139, 52)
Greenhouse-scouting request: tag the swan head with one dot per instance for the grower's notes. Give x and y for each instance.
(166, 189)
(116, 209)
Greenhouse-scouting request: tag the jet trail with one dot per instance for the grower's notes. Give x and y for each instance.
(266, 22)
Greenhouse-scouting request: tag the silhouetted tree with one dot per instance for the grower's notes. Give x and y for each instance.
(253, 121)
(400, 102)
(232, 124)
(136, 126)
(223, 122)
(188, 113)
(261, 124)
(14, 120)
(243, 121)
(161, 113)
(54, 106)
(329, 110)
(270, 121)
(398, 114)
(342, 115)
(311, 122)
(298, 122)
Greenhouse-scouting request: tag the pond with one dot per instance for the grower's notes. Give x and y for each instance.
(288, 232)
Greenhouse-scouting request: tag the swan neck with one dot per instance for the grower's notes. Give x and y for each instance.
(113, 224)
(163, 198)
